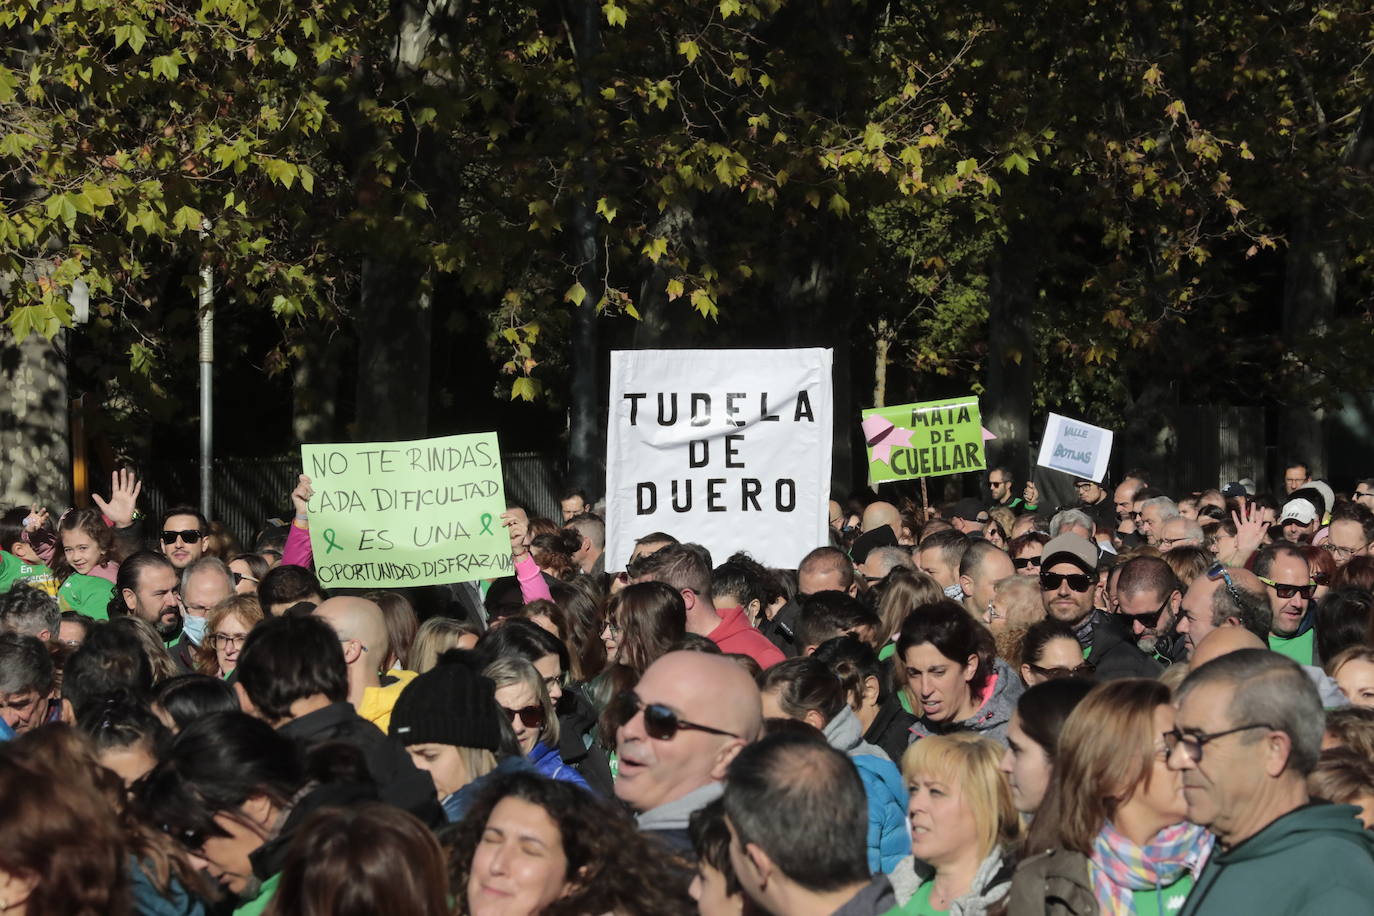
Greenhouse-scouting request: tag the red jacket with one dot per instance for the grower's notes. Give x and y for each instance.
(736, 636)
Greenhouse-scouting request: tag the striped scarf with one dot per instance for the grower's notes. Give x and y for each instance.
(1119, 867)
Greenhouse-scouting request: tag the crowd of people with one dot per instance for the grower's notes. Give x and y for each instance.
(1138, 704)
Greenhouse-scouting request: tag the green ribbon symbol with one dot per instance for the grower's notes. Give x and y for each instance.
(329, 540)
(486, 523)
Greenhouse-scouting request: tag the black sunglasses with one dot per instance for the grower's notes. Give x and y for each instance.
(530, 716)
(1079, 582)
(1284, 590)
(191, 536)
(1054, 674)
(660, 722)
(1151, 620)
(1023, 562)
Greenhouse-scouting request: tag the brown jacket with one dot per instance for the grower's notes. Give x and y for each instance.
(1054, 883)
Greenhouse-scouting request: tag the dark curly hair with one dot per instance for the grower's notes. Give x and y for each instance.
(616, 869)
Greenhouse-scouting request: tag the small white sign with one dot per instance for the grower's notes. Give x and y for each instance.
(1076, 448)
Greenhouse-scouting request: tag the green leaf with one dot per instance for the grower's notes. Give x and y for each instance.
(615, 15)
(575, 294)
(655, 248)
(9, 83)
(606, 207)
(166, 66)
(188, 219)
(689, 50)
(525, 389)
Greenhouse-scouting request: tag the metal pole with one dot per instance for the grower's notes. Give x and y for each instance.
(206, 322)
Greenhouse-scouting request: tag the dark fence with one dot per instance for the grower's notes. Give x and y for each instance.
(249, 491)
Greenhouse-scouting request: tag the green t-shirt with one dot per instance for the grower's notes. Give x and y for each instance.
(919, 904)
(89, 595)
(1299, 648)
(1164, 902)
(259, 903)
(14, 571)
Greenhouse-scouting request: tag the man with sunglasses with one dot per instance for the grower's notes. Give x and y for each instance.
(1149, 595)
(684, 722)
(1068, 575)
(1247, 733)
(1287, 578)
(182, 535)
(1227, 596)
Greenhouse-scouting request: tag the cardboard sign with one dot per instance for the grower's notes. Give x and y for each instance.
(1076, 448)
(395, 514)
(729, 449)
(930, 439)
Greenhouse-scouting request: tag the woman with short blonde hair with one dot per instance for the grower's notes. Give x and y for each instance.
(435, 637)
(963, 826)
(523, 696)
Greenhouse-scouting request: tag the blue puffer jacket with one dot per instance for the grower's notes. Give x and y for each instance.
(889, 840)
(548, 762)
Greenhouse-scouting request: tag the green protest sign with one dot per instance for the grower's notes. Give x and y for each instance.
(388, 514)
(929, 439)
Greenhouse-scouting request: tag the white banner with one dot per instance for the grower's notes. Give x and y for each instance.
(1076, 448)
(729, 449)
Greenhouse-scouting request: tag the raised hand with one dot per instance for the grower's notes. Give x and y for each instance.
(518, 529)
(1250, 531)
(1031, 495)
(37, 518)
(300, 497)
(124, 489)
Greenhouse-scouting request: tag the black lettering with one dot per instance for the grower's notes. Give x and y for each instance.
(731, 411)
(328, 463)
(383, 542)
(663, 419)
(685, 504)
(702, 416)
(634, 399)
(750, 488)
(803, 408)
(693, 461)
(732, 459)
(787, 502)
(764, 415)
(713, 495)
(971, 455)
(646, 498)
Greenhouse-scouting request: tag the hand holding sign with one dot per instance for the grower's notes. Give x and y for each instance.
(300, 497)
(518, 529)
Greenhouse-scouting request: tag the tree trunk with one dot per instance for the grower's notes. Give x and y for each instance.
(586, 447)
(393, 327)
(33, 423)
(1011, 353)
(315, 386)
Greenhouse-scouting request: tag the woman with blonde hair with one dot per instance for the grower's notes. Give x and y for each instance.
(1112, 834)
(1016, 604)
(227, 626)
(963, 827)
(435, 637)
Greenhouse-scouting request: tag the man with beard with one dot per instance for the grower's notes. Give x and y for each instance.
(183, 534)
(146, 587)
(1068, 573)
(1150, 595)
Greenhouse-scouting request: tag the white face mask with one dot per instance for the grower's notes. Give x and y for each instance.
(194, 628)
(955, 592)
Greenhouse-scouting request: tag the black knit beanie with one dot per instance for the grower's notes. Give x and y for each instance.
(449, 704)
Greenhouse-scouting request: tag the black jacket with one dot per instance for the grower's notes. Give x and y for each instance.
(781, 630)
(577, 743)
(1114, 653)
(398, 780)
(891, 730)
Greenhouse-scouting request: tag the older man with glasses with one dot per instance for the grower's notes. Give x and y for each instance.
(1227, 596)
(1068, 575)
(1247, 734)
(687, 719)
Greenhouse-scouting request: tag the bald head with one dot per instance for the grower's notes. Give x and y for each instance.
(360, 620)
(880, 513)
(1224, 641)
(706, 690)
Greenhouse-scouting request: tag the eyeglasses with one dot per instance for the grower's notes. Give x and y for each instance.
(1217, 571)
(1168, 543)
(1193, 742)
(1084, 670)
(1320, 578)
(660, 722)
(240, 577)
(530, 716)
(993, 613)
(190, 536)
(1133, 515)
(227, 640)
(1079, 582)
(1337, 551)
(1284, 590)
(1023, 562)
(555, 681)
(612, 628)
